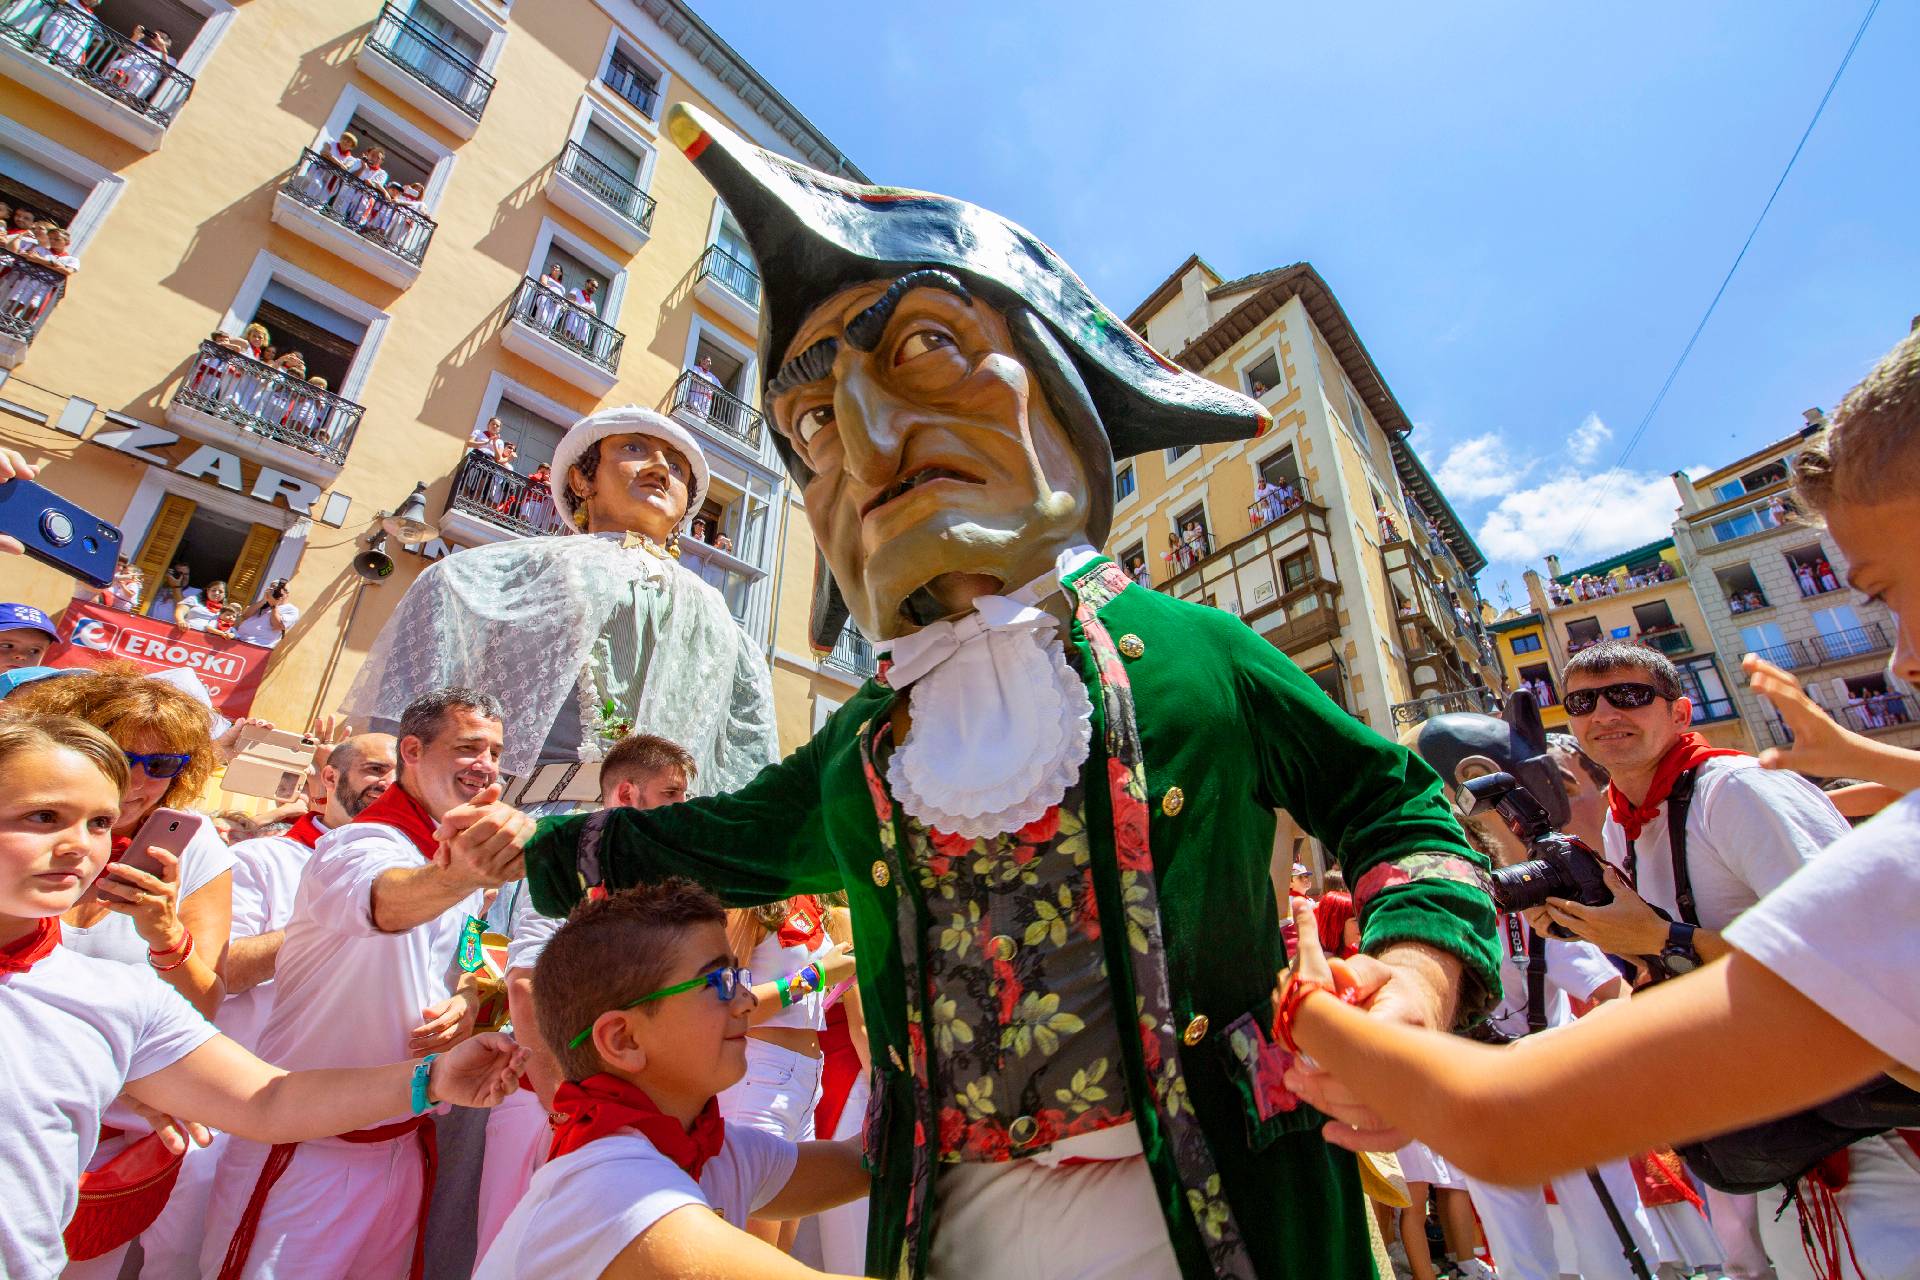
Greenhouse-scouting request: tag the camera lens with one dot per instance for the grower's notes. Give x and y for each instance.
(1526, 885)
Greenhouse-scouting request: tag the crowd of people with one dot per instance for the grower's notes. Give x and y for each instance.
(353, 187)
(36, 257)
(248, 377)
(1595, 586)
(1815, 576)
(70, 34)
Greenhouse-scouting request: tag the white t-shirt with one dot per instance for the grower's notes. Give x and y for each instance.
(266, 873)
(205, 859)
(347, 994)
(581, 1210)
(258, 628)
(1843, 931)
(1748, 830)
(194, 612)
(1576, 969)
(77, 1028)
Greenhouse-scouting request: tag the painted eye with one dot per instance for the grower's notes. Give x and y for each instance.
(813, 422)
(919, 343)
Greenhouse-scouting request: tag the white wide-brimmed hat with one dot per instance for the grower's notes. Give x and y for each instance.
(625, 420)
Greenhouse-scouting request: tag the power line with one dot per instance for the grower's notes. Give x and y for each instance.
(1606, 480)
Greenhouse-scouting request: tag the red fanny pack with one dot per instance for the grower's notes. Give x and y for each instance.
(122, 1197)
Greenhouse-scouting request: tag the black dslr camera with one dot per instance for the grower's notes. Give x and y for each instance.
(1560, 866)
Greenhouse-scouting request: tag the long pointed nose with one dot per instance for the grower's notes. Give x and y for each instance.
(872, 423)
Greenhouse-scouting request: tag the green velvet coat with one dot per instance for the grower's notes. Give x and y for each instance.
(1217, 729)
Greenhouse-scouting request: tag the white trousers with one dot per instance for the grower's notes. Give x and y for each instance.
(777, 1094)
(341, 1211)
(1520, 1229)
(843, 1229)
(1881, 1204)
(517, 1140)
(1018, 1221)
(173, 1243)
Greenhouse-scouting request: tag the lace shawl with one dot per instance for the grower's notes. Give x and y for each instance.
(520, 620)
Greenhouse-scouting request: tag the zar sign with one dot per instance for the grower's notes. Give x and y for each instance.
(209, 463)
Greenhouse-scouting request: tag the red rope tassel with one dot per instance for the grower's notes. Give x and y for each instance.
(1822, 1226)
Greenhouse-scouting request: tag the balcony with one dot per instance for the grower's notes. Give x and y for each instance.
(265, 414)
(632, 86)
(1873, 712)
(1418, 710)
(566, 339)
(852, 654)
(1854, 642)
(1309, 615)
(73, 59)
(602, 197)
(426, 71)
(702, 403)
(1788, 656)
(729, 286)
(1672, 641)
(1429, 623)
(1253, 576)
(30, 292)
(353, 220)
(725, 572)
(492, 503)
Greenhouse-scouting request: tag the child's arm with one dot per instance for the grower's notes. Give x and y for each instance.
(1724, 1047)
(826, 1174)
(222, 1085)
(695, 1243)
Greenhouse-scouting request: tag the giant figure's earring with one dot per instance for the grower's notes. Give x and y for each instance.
(673, 544)
(580, 518)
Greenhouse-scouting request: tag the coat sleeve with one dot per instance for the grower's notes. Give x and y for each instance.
(762, 843)
(1381, 811)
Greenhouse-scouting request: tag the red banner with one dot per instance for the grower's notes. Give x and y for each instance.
(230, 669)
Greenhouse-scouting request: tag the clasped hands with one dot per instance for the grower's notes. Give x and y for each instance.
(481, 841)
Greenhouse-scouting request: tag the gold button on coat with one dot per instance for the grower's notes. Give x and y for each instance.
(1003, 947)
(1196, 1030)
(880, 873)
(1132, 645)
(1023, 1130)
(1173, 801)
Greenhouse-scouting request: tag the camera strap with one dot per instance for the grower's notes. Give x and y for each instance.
(1536, 983)
(1679, 801)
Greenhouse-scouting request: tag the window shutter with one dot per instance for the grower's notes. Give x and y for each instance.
(243, 582)
(163, 539)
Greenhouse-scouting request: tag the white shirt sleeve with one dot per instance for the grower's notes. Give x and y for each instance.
(1841, 931)
(169, 1030)
(1766, 824)
(761, 1165)
(250, 896)
(1578, 968)
(528, 932)
(344, 868)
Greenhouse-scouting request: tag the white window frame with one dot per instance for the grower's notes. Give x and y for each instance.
(192, 60)
(158, 483)
(613, 274)
(1206, 519)
(354, 101)
(1243, 384)
(748, 356)
(637, 51)
(1179, 462)
(499, 384)
(104, 186)
(266, 267)
(618, 123)
(1281, 445)
(478, 23)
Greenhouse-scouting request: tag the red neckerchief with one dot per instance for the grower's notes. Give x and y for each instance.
(1690, 751)
(805, 925)
(395, 808)
(21, 954)
(307, 829)
(603, 1104)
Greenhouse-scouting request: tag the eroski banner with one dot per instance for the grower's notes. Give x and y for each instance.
(230, 669)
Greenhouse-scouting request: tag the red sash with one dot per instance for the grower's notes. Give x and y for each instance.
(281, 1155)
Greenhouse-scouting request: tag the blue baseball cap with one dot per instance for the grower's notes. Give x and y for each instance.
(15, 616)
(11, 680)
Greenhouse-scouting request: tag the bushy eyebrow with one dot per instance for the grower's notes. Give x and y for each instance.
(863, 331)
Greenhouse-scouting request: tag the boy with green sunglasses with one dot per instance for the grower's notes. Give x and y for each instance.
(639, 994)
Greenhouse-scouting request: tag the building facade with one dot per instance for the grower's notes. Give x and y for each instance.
(1775, 586)
(1521, 641)
(1645, 594)
(525, 248)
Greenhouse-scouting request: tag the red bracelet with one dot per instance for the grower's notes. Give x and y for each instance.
(185, 949)
(1292, 996)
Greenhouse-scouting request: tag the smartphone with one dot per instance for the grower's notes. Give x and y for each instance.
(270, 763)
(169, 829)
(58, 533)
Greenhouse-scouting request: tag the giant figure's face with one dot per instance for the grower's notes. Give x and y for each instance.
(939, 470)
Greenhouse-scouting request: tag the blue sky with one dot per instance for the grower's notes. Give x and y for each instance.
(1523, 208)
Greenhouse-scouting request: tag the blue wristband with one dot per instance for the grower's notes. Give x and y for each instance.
(422, 1076)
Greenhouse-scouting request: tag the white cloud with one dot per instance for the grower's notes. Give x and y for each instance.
(1587, 439)
(1529, 523)
(1479, 467)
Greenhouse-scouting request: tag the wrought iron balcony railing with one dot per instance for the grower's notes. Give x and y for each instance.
(1787, 656)
(436, 64)
(554, 315)
(1837, 646)
(717, 264)
(1418, 710)
(631, 84)
(271, 403)
(73, 41)
(350, 201)
(717, 407)
(28, 294)
(852, 653)
(1876, 711)
(611, 187)
(485, 490)
(1668, 640)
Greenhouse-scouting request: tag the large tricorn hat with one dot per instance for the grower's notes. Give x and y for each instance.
(814, 234)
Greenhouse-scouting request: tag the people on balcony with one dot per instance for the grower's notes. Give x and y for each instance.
(579, 322)
(486, 439)
(547, 304)
(27, 294)
(1389, 530)
(69, 31)
(1271, 501)
(138, 71)
(128, 584)
(701, 387)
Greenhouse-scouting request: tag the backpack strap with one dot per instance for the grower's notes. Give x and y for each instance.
(1536, 983)
(1679, 801)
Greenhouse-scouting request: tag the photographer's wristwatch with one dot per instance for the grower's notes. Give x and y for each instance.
(1678, 955)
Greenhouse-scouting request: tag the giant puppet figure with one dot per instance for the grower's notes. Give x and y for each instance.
(1053, 810)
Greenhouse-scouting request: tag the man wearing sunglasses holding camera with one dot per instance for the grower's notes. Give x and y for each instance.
(1744, 830)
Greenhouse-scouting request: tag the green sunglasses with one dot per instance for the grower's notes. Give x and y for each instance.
(726, 983)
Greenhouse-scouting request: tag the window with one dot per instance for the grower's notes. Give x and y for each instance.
(1123, 482)
(1756, 519)
(1729, 491)
(1175, 455)
(1654, 616)
(1529, 643)
(1812, 571)
(39, 174)
(1262, 376)
(632, 79)
(1700, 680)
(1357, 415)
(533, 436)
(1767, 640)
(1134, 561)
(1297, 570)
(1188, 542)
(1281, 468)
(1538, 681)
(1583, 632)
(1327, 676)
(1742, 588)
